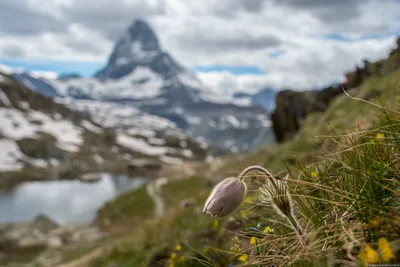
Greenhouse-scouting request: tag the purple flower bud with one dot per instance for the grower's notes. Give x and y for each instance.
(225, 197)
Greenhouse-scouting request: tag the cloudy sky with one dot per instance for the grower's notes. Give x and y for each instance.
(231, 44)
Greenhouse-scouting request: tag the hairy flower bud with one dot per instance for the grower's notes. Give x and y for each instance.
(225, 197)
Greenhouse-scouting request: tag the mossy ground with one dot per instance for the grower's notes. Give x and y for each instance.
(126, 210)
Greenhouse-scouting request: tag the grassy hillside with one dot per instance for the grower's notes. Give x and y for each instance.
(343, 179)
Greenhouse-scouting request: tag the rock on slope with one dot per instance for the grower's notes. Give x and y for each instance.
(43, 139)
(142, 75)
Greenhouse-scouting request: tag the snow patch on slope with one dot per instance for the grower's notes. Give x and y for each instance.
(29, 84)
(140, 145)
(4, 99)
(4, 79)
(171, 160)
(17, 125)
(142, 83)
(10, 156)
(91, 127)
(114, 115)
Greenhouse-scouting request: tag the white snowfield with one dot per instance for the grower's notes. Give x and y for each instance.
(12, 158)
(17, 124)
(114, 115)
(146, 84)
(132, 123)
(136, 131)
(4, 99)
(91, 127)
(140, 145)
(3, 79)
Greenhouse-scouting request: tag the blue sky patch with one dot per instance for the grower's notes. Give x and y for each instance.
(344, 38)
(238, 70)
(89, 68)
(277, 53)
(83, 68)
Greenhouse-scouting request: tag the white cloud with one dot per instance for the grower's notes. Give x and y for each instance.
(6, 69)
(318, 62)
(44, 74)
(308, 64)
(228, 83)
(209, 32)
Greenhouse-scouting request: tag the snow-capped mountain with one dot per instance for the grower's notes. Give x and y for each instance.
(141, 75)
(139, 47)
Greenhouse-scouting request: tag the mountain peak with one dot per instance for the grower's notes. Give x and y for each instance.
(138, 46)
(142, 33)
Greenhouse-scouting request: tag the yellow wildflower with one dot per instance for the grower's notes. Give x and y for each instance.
(205, 250)
(235, 248)
(178, 247)
(268, 230)
(386, 252)
(375, 223)
(379, 136)
(314, 174)
(243, 257)
(215, 224)
(369, 255)
(173, 256)
(253, 240)
(181, 258)
(247, 199)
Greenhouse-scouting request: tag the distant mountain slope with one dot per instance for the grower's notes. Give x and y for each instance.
(36, 84)
(43, 139)
(264, 98)
(140, 74)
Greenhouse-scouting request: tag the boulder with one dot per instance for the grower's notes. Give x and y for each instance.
(54, 242)
(33, 238)
(144, 164)
(90, 177)
(43, 224)
(77, 233)
(28, 234)
(44, 232)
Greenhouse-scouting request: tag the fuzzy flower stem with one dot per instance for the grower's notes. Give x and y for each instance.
(268, 174)
(295, 225)
(264, 171)
(242, 175)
